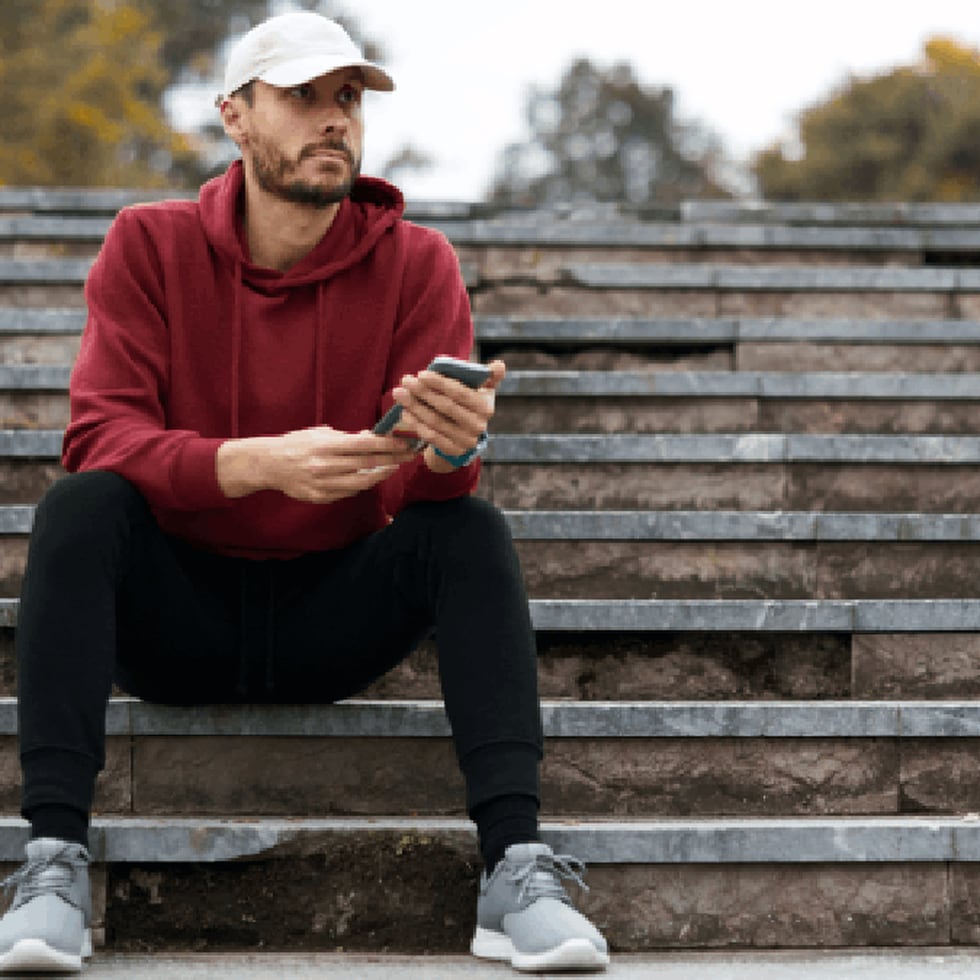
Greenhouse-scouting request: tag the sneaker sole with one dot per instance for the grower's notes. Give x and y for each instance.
(36, 956)
(573, 954)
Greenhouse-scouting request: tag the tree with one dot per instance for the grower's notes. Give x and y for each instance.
(604, 137)
(80, 83)
(911, 134)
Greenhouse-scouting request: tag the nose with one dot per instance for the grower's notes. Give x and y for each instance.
(334, 122)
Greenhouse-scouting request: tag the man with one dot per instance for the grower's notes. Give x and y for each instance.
(232, 530)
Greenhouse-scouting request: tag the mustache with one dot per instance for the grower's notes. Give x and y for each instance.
(337, 146)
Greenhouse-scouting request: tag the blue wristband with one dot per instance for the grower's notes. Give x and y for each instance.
(466, 458)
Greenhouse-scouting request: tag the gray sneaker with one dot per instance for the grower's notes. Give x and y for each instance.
(524, 915)
(47, 927)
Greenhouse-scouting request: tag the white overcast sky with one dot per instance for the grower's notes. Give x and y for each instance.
(743, 67)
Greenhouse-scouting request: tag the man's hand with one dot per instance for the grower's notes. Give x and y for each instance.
(445, 413)
(319, 465)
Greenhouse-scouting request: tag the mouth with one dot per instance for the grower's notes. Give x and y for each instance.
(326, 153)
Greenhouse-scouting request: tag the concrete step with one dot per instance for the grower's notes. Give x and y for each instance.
(693, 526)
(713, 448)
(701, 615)
(686, 555)
(833, 385)
(629, 759)
(410, 884)
(640, 402)
(891, 214)
(40, 335)
(716, 665)
(937, 963)
(751, 471)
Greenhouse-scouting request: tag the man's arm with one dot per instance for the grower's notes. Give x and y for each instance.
(319, 465)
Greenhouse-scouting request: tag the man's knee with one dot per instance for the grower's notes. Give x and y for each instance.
(469, 522)
(87, 503)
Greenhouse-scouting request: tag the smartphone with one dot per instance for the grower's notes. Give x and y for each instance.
(472, 374)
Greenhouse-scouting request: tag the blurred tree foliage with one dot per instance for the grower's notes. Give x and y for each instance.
(80, 85)
(912, 134)
(604, 137)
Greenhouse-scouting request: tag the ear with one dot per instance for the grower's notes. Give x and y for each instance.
(233, 118)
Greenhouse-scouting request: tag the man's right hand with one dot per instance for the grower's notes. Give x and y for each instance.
(319, 465)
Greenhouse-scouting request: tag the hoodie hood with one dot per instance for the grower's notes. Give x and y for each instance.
(372, 207)
(370, 210)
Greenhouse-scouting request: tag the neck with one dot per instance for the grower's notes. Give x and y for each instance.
(280, 233)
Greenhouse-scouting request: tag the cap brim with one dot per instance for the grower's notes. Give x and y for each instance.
(304, 69)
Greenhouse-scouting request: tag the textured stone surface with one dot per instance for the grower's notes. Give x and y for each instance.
(660, 569)
(804, 356)
(664, 666)
(641, 486)
(33, 410)
(670, 666)
(940, 776)
(864, 416)
(612, 415)
(23, 481)
(896, 570)
(929, 665)
(604, 778)
(589, 356)
(703, 777)
(964, 900)
(13, 558)
(699, 906)
(564, 301)
(877, 305)
(227, 775)
(31, 296)
(38, 349)
(885, 487)
(383, 891)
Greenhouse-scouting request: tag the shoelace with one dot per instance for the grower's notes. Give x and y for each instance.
(542, 877)
(52, 874)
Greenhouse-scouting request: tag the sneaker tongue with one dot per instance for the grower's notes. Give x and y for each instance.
(44, 847)
(525, 853)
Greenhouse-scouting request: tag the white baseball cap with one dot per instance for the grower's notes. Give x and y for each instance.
(293, 48)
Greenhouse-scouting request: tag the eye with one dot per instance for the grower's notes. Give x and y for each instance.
(349, 95)
(303, 92)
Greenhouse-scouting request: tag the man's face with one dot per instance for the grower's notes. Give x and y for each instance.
(304, 143)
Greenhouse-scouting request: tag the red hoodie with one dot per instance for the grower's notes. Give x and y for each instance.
(188, 344)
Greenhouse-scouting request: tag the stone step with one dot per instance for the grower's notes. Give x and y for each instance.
(709, 615)
(824, 385)
(714, 448)
(686, 555)
(735, 759)
(631, 331)
(715, 665)
(632, 759)
(387, 884)
(891, 214)
(561, 719)
(35, 396)
(38, 335)
(693, 526)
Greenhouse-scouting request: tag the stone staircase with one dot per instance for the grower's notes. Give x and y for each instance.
(738, 447)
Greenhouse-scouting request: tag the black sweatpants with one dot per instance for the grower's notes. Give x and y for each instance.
(107, 596)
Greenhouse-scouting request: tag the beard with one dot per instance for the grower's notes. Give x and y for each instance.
(275, 173)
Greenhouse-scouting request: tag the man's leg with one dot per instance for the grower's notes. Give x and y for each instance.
(95, 551)
(452, 565)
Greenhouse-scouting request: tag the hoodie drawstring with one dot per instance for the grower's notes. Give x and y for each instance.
(319, 357)
(236, 350)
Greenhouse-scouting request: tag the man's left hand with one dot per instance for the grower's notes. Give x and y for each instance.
(445, 413)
